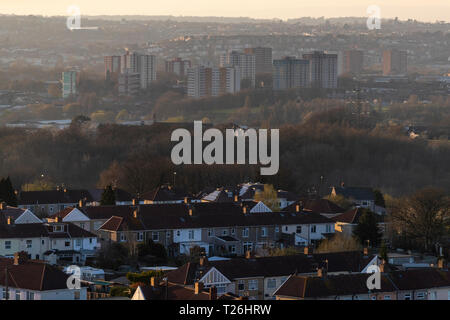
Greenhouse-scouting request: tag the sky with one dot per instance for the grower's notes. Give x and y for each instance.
(423, 10)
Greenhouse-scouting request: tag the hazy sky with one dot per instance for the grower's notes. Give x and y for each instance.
(425, 10)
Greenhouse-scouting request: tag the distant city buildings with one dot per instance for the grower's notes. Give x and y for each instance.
(112, 67)
(246, 62)
(129, 83)
(263, 59)
(352, 62)
(206, 81)
(178, 66)
(69, 83)
(290, 72)
(394, 62)
(322, 69)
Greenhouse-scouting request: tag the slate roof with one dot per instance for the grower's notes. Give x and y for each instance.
(175, 292)
(164, 193)
(357, 193)
(12, 212)
(53, 197)
(32, 275)
(353, 261)
(36, 230)
(316, 205)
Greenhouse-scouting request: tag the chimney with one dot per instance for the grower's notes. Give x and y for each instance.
(134, 202)
(198, 287)
(307, 251)
(135, 213)
(245, 209)
(366, 251)
(297, 208)
(81, 203)
(382, 266)
(154, 282)
(20, 257)
(58, 219)
(203, 261)
(236, 198)
(322, 273)
(3, 205)
(191, 212)
(213, 293)
(441, 264)
(9, 220)
(186, 200)
(65, 190)
(342, 184)
(248, 254)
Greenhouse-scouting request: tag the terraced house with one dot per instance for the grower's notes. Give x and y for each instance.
(218, 228)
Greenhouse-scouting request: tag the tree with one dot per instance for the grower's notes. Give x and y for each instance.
(383, 251)
(379, 198)
(423, 216)
(338, 243)
(269, 197)
(367, 228)
(112, 256)
(7, 193)
(340, 200)
(108, 197)
(144, 277)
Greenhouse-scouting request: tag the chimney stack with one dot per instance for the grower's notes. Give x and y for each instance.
(441, 263)
(307, 251)
(322, 273)
(245, 209)
(81, 203)
(3, 205)
(342, 184)
(186, 200)
(20, 257)
(248, 254)
(135, 213)
(134, 202)
(203, 261)
(366, 251)
(382, 266)
(9, 220)
(297, 208)
(198, 287)
(236, 198)
(213, 293)
(154, 282)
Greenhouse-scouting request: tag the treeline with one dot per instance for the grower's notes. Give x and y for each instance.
(326, 144)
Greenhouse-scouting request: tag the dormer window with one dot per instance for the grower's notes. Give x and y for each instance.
(58, 228)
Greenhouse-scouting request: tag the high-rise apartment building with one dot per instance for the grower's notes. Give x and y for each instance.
(112, 67)
(290, 72)
(352, 62)
(142, 64)
(263, 59)
(69, 83)
(244, 61)
(178, 66)
(205, 81)
(129, 83)
(322, 69)
(395, 62)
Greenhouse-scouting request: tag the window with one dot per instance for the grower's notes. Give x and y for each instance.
(155, 236)
(433, 295)
(123, 237)
(313, 228)
(58, 228)
(17, 295)
(82, 225)
(191, 234)
(407, 296)
(178, 233)
(252, 284)
(76, 295)
(241, 285)
(232, 249)
(90, 240)
(30, 295)
(233, 231)
(245, 232)
(388, 297)
(263, 232)
(298, 229)
(286, 228)
(29, 243)
(43, 241)
(328, 228)
(7, 245)
(140, 236)
(448, 295)
(210, 232)
(248, 246)
(78, 242)
(420, 295)
(272, 283)
(4, 293)
(374, 297)
(224, 232)
(277, 229)
(168, 234)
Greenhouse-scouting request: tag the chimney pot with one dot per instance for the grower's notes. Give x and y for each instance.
(248, 254)
(135, 213)
(3, 205)
(366, 251)
(186, 200)
(297, 208)
(236, 198)
(9, 220)
(191, 212)
(441, 264)
(203, 261)
(307, 250)
(20, 257)
(322, 273)
(134, 202)
(154, 282)
(198, 287)
(213, 293)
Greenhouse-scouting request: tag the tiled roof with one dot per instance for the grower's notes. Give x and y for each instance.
(164, 193)
(36, 230)
(421, 279)
(357, 193)
(174, 292)
(273, 266)
(12, 212)
(316, 205)
(53, 197)
(32, 275)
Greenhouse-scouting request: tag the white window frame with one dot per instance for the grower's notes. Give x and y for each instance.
(253, 284)
(245, 232)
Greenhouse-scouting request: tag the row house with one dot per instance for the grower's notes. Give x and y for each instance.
(15, 215)
(23, 279)
(53, 242)
(258, 278)
(217, 228)
(419, 284)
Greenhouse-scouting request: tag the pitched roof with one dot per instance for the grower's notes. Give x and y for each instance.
(174, 292)
(316, 205)
(204, 215)
(11, 212)
(237, 268)
(120, 195)
(36, 230)
(333, 285)
(53, 196)
(32, 275)
(421, 279)
(357, 193)
(164, 193)
(63, 213)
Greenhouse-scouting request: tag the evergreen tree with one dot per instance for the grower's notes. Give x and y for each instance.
(367, 228)
(7, 193)
(108, 197)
